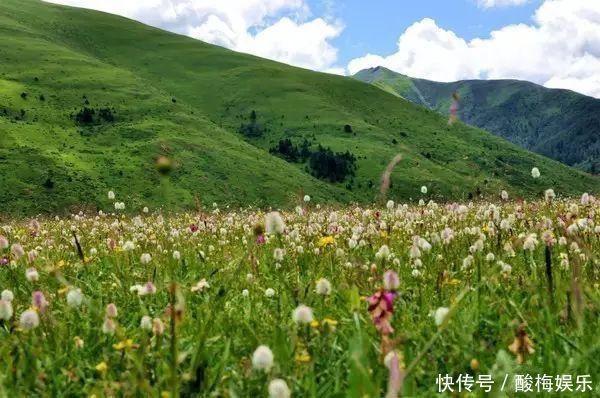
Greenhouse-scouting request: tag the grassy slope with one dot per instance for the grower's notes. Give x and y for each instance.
(560, 124)
(138, 70)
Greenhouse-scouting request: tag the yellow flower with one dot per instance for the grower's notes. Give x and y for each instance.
(384, 234)
(325, 241)
(165, 394)
(303, 357)
(125, 344)
(87, 260)
(314, 324)
(102, 367)
(63, 290)
(332, 323)
(60, 264)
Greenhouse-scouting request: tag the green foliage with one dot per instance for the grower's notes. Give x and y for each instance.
(186, 100)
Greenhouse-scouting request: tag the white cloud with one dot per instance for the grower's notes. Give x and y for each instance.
(561, 50)
(500, 3)
(282, 30)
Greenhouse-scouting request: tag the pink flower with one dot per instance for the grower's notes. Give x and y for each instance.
(260, 239)
(381, 307)
(39, 301)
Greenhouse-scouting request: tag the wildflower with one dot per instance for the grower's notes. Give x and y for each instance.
(504, 195)
(391, 280)
(128, 246)
(326, 241)
(6, 310)
(29, 319)
(146, 323)
(522, 344)
(585, 199)
(323, 287)
(200, 286)
(269, 292)
(549, 195)
(147, 289)
(381, 308)
(302, 356)
(38, 301)
(245, 293)
(383, 252)
(278, 254)
(390, 205)
(102, 367)
(535, 172)
(302, 314)
(530, 242)
(3, 243)
(440, 315)
(145, 210)
(158, 328)
(262, 358)
(17, 251)
(7, 295)
(111, 310)
(111, 195)
(423, 189)
(490, 257)
(74, 297)
(306, 198)
(176, 255)
(274, 223)
(109, 326)
(279, 389)
(145, 258)
(126, 344)
(32, 275)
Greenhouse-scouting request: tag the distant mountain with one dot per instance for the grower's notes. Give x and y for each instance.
(560, 124)
(89, 101)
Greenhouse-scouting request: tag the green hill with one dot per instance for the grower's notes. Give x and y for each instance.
(560, 124)
(88, 101)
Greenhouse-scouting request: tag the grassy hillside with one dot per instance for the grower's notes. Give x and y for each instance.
(560, 124)
(155, 93)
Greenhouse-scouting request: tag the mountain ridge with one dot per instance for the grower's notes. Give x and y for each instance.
(558, 123)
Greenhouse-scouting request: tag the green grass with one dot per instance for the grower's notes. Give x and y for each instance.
(561, 124)
(65, 54)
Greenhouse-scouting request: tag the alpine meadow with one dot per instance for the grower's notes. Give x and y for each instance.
(178, 219)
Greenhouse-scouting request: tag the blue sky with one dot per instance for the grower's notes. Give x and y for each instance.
(555, 43)
(374, 26)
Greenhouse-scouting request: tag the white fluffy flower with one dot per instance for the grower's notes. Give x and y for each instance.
(549, 194)
(323, 287)
(504, 195)
(423, 189)
(440, 315)
(128, 246)
(145, 258)
(200, 286)
(383, 252)
(74, 297)
(146, 323)
(7, 295)
(535, 172)
(302, 314)
(269, 292)
(390, 205)
(278, 254)
(278, 388)
(306, 198)
(31, 274)
(274, 223)
(29, 319)
(6, 310)
(111, 195)
(262, 358)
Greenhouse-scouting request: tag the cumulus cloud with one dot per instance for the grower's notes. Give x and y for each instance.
(500, 3)
(561, 49)
(282, 30)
